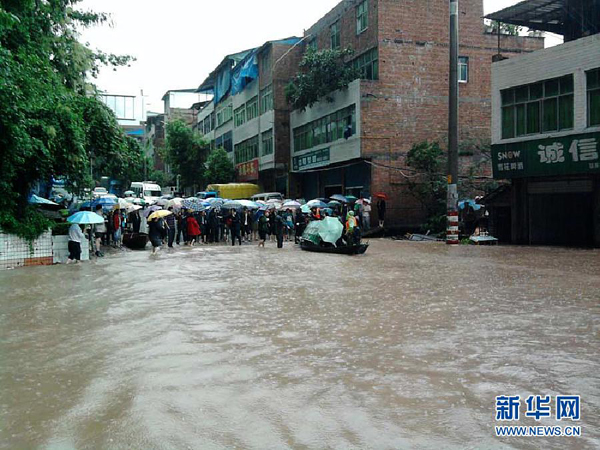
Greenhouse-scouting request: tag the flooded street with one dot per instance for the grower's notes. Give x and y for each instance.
(218, 347)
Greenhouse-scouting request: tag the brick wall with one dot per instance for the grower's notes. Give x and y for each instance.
(409, 103)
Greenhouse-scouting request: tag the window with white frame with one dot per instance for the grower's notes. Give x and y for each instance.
(463, 69)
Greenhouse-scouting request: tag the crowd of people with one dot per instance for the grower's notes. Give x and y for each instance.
(184, 226)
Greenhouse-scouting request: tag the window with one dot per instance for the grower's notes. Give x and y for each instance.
(340, 124)
(463, 69)
(239, 116)
(267, 142)
(362, 16)
(266, 99)
(334, 31)
(593, 93)
(207, 124)
(246, 150)
(224, 115)
(541, 107)
(123, 106)
(252, 108)
(368, 65)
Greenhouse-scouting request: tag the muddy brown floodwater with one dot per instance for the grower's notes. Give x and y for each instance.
(221, 348)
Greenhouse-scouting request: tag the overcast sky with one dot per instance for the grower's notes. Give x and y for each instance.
(177, 43)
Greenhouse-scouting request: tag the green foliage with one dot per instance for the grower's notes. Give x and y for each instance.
(29, 225)
(49, 126)
(186, 152)
(430, 187)
(219, 168)
(505, 28)
(321, 73)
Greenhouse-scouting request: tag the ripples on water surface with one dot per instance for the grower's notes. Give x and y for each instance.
(220, 347)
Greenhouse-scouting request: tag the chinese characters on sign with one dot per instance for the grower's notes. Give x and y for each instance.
(538, 406)
(248, 170)
(575, 154)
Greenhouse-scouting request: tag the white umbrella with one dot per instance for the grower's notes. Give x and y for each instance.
(292, 204)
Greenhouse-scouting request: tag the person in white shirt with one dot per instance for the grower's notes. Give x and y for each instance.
(75, 238)
(367, 215)
(100, 230)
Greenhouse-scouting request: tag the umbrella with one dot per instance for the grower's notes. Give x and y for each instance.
(316, 203)
(261, 202)
(340, 198)
(35, 200)
(151, 209)
(139, 201)
(363, 201)
(249, 204)
(122, 204)
(463, 204)
(305, 209)
(291, 204)
(133, 208)
(329, 230)
(334, 204)
(351, 198)
(128, 193)
(85, 218)
(382, 195)
(106, 202)
(192, 204)
(175, 203)
(231, 204)
(162, 201)
(159, 214)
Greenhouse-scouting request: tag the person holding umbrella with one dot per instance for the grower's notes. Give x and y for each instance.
(300, 225)
(99, 231)
(381, 208)
(193, 229)
(234, 226)
(156, 232)
(75, 237)
(263, 228)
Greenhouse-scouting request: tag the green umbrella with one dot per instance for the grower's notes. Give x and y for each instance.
(330, 229)
(305, 209)
(351, 198)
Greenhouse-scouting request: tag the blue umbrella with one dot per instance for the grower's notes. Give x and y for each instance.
(85, 218)
(317, 204)
(107, 203)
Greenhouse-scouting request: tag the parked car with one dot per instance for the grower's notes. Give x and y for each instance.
(99, 192)
(266, 196)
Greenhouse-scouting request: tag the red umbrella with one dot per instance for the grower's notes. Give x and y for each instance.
(382, 195)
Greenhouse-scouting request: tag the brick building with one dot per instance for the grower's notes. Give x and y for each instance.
(249, 116)
(348, 145)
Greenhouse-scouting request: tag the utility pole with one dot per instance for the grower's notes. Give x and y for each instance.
(452, 198)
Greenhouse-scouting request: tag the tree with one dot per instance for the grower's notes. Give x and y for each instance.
(429, 187)
(45, 104)
(219, 167)
(321, 73)
(505, 28)
(186, 152)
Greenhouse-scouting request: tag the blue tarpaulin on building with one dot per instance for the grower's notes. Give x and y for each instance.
(244, 73)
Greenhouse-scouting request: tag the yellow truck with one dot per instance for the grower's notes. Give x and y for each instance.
(234, 191)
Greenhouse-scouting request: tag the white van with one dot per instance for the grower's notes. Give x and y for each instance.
(266, 196)
(147, 190)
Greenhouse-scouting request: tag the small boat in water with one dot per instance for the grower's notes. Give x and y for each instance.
(135, 241)
(357, 249)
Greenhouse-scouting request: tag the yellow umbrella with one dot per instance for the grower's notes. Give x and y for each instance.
(158, 214)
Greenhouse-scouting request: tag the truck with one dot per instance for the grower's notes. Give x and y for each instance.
(147, 190)
(234, 191)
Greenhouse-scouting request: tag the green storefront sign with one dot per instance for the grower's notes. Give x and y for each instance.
(312, 159)
(574, 154)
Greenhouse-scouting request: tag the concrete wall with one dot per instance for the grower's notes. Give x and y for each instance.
(342, 149)
(575, 57)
